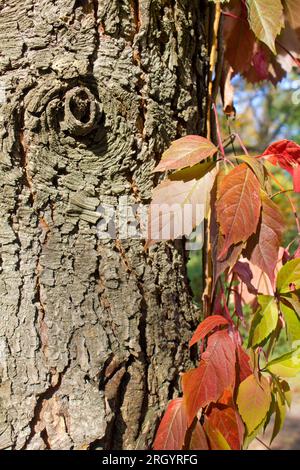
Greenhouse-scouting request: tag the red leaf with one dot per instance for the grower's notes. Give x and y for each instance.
(185, 152)
(238, 206)
(228, 422)
(239, 39)
(286, 154)
(198, 439)
(245, 274)
(215, 373)
(206, 327)
(244, 364)
(172, 429)
(261, 62)
(263, 247)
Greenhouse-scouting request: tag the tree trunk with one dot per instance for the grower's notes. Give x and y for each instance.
(94, 332)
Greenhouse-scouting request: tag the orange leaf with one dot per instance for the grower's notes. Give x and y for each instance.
(185, 152)
(172, 429)
(238, 206)
(263, 247)
(228, 422)
(206, 327)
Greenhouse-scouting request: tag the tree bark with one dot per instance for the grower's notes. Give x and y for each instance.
(93, 333)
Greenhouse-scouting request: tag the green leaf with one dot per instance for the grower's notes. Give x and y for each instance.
(265, 320)
(253, 400)
(287, 365)
(250, 437)
(289, 275)
(266, 20)
(293, 300)
(280, 414)
(285, 391)
(292, 321)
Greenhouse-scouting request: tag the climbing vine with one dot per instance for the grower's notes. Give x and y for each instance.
(238, 384)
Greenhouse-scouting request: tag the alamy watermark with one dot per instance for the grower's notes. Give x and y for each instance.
(158, 222)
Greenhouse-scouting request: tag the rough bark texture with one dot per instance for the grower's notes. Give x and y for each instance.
(93, 333)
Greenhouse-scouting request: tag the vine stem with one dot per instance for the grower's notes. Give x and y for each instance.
(212, 64)
(262, 443)
(206, 250)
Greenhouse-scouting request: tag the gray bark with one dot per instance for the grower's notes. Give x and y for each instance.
(93, 333)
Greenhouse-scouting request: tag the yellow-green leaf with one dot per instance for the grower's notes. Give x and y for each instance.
(265, 320)
(253, 400)
(266, 20)
(287, 365)
(280, 414)
(250, 437)
(289, 276)
(292, 321)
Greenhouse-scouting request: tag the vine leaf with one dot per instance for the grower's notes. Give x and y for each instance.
(288, 278)
(238, 206)
(185, 152)
(285, 391)
(259, 395)
(177, 207)
(265, 320)
(245, 274)
(198, 439)
(226, 420)
(287, 365)
(172, 429)
(216, 439)
(286, 154)
(292, 321)
(239, 39)
(207, 382)
(206, 327)
(280, 414)
(256, 166)
(217, 243)
(262, 249)
(244, 364)
(266, 20)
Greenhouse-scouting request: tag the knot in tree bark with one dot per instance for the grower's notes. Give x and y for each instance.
(81, 111)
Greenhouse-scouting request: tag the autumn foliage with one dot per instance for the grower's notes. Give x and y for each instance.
(237, 385)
